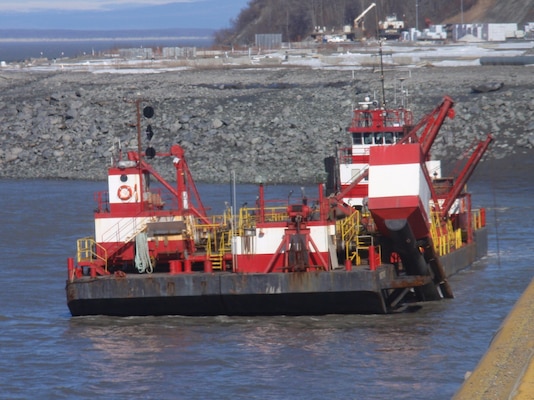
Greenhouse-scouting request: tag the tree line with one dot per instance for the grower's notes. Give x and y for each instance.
(296, 19)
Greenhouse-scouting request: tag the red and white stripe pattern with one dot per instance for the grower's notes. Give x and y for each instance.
(398, 188)
(254, 252)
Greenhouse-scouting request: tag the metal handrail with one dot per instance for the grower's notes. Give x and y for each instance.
(445, 237)
(86, 251)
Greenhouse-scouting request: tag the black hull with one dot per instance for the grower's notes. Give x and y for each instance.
(300, 293)
(359, 291)
(243, 305)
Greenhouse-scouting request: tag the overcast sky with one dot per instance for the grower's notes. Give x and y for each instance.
(118, 14)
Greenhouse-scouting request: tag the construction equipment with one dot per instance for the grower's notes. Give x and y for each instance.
(359, 20)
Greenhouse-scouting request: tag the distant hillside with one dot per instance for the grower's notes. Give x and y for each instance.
(295, 19)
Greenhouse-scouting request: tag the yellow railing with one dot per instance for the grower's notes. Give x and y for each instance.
(364, 242)
(248, 217)
(350, 226)
(350, 229)
(218, 243)
(275, 214)
(86, 251)
(445, 238)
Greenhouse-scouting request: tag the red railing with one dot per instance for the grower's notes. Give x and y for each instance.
(363, 120)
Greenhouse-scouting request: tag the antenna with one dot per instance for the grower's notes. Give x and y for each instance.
(381, 60)
(382, 73)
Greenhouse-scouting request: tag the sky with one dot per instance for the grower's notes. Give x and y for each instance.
(118, 14)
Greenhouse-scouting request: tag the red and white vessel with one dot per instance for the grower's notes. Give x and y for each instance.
(391, 233)
(375, 126)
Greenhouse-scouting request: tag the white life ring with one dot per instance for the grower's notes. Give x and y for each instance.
(125, 192)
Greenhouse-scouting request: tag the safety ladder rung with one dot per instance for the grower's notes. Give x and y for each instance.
(364, 241)
(86, 260)
(216, 262)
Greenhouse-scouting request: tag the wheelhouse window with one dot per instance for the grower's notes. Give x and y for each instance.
(368, 138)
(379, 138)
(398, 136)
(371, 138)
(357, 138)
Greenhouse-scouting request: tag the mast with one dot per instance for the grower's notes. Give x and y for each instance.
(382, 74)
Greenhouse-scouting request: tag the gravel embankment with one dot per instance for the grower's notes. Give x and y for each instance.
(276, 122)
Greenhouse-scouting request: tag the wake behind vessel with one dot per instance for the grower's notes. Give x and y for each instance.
(385, 230)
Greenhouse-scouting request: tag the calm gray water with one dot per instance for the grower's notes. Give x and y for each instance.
(55, 49)
(45, 353)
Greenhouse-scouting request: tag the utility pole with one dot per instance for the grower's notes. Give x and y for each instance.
(416, 15)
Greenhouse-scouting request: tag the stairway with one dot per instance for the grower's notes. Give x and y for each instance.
(223, 247)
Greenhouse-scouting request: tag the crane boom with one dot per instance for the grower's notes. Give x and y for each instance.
(359, 18)
(465, 174)
(432, 123)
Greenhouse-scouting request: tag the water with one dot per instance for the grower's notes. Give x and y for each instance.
(11, 51)
(45, 353)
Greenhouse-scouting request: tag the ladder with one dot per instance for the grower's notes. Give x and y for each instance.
(222, 238)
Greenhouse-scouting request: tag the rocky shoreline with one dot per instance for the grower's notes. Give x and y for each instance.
(277, 122)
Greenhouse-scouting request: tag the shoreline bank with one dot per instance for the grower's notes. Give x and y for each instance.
(275, 121)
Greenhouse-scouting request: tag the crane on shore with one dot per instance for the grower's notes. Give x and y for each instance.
(359, 20)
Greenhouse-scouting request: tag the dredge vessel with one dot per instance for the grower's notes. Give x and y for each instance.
(385, 230)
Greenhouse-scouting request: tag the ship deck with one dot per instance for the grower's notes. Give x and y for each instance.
(357, 291)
